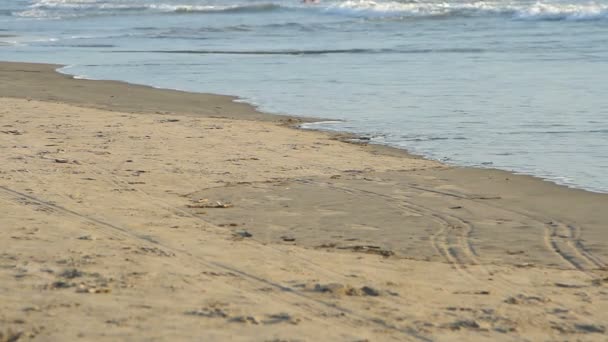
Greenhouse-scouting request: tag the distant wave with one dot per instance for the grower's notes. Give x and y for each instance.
(580, 132)
(379, 9)
(543, 11)
(516, 10)
(225, 9)
(80, 8)
(257, 52)
(92, 46)
(305, 52)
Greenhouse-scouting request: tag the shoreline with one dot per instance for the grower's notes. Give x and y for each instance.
(232, 98)
(239, 111)
(289, 120)
(113, 98)
(133, 212)
(292, 121)
(225, 107)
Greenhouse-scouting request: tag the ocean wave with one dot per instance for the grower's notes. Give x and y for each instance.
(18, 40)
(91, 46)
(296, 52)
(559, 132)
(264, 7)
(545, 11)
(367, 9)
(82, 8)
(516, 10)
(383, 9)
(259, 52)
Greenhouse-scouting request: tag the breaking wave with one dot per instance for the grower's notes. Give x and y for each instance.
(82, 8)
(518, 10)
(306, 52)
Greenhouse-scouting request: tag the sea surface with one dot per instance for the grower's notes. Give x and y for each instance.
(512, 84)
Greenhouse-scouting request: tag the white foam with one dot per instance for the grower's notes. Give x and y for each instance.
(8, 43)
(57, 9)
(545, 11)
(369, 8)
(516, 9)
(319, 125)
(25, 40)
(55, 3)
(213, 8)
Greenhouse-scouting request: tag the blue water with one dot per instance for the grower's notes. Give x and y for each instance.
(517, 85)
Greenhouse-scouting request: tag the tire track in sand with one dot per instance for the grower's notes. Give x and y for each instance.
(316, 307)
(562, 239)
(452, 239)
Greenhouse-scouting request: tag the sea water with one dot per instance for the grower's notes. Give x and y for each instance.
(512, 84)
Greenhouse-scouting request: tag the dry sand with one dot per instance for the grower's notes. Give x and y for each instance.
(131, 213)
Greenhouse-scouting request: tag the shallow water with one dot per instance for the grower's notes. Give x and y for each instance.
(516, 85)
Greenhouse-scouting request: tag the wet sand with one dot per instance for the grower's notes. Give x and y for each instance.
(133, 213)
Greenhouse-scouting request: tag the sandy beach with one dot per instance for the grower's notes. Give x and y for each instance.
(131, 213)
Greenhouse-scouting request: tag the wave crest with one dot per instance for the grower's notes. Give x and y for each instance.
(263, 7)
(544, 11)
(402, 9)
(80, 8)
(535, 11)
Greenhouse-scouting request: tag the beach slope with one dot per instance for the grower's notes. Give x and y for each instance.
(133, 213)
